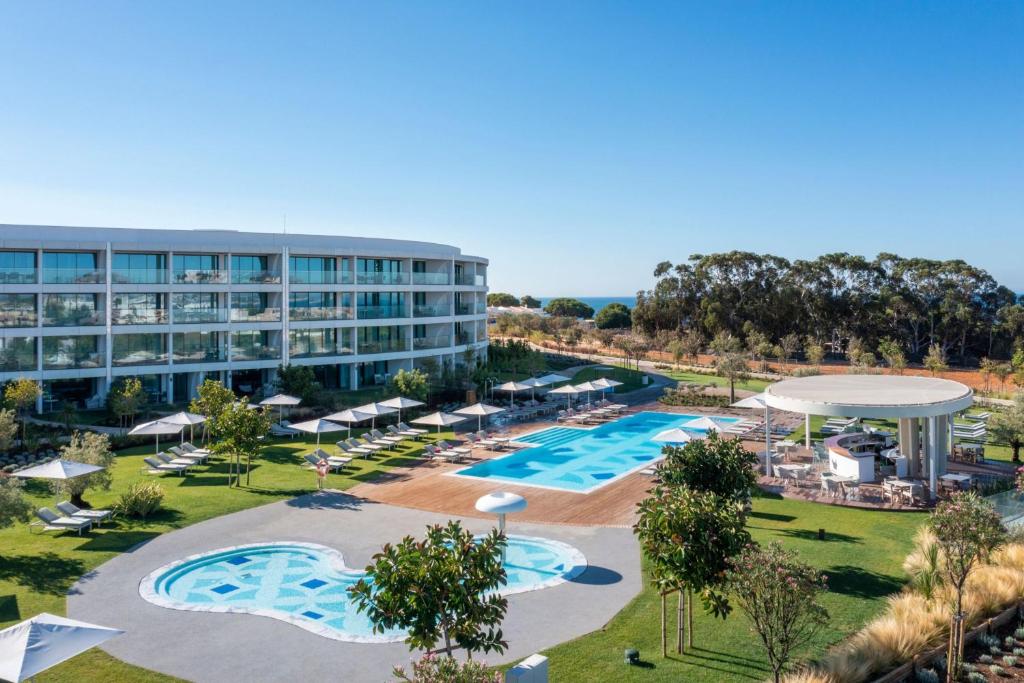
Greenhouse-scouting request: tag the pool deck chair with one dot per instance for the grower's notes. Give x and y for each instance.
(278, 430)
(195, 457)
(334, 463)
(192, 449)
(157, 467)
(354, 450)
(171, 460)
(415, 431)
(51, 521)
(72, 510)
(395, 431)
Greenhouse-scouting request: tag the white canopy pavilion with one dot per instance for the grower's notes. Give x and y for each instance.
(923, 406)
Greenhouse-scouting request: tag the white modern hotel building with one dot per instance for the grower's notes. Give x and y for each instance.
(81, 307)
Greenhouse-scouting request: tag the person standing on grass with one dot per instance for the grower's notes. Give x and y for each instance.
(321, 473)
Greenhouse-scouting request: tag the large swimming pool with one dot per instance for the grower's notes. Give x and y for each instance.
(583, 460)
(306, 584)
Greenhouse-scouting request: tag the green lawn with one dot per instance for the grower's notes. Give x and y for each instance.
(37, 570)
(861, 555)
(752, 384)
(631, 379)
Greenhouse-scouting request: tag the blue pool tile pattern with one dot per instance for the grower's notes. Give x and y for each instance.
(307, 585)
(582, 460)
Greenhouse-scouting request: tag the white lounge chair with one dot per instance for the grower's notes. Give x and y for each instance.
(412, 430)
(171, 460)
(333, 462)
(157, 467)
(72, 510)
(445, 446)
(51, 521)
(354, 450)
(194, 456)
(187, 446)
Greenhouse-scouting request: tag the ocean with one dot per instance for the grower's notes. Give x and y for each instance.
(595, 302)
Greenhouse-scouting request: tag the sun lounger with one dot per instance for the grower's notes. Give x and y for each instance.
(51, 521)
(354, 450)
(192, 449)
(171, 460)
(367, 443)
(439, 454)
(412, 430)
(194, 456)
(72, 510)
(333, 462)
(157, 467)
(444, 445)
(379, 437)
(395, 431)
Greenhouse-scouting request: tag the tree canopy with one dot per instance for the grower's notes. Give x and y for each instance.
(501, 299)
(569, 308)
(529, 301)
(614, 316)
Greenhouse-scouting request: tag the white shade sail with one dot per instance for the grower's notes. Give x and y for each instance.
(674, 435)
(156, 427)
(45, 640)
(57, 469)
(439, 420)
(606, 383)
(318, 426)
(535, 382)
(756, 401)
(281, 400)
(706, 424)
(480, 410)
(348, 416)
(375, 409)
(587, 386)
(184, 418)
(554, 378)
(567, 389)
(401, 403)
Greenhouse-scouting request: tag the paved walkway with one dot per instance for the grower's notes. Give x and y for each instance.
(202, 646)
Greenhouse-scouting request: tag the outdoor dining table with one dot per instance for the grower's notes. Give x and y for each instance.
(798, 472)
(959, 480)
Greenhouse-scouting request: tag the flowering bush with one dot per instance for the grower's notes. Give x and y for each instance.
(435, 669)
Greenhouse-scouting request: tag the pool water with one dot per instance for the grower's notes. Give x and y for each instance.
(306, 584)
(583, 460)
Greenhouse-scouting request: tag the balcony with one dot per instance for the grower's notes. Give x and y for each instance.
(18, 318)
(256, 277)
(481, 335)
(438, 342)
(141, 357)
(72, 276)
(139, 276)
(201, 355)
(18, 276)
(83, 318)
(339, 350)
(431, 311)
(463, 338)
(383, 278)
(430, 278)
(466, 309)
(138, 316)
(184, 316)
(320, 277)
(73, 361)
(200, 277)
(318, 313)
(383, 346)
(254, 315)
(378, 312)
(244, 353)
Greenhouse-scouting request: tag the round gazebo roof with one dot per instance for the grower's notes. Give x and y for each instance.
(872, 396)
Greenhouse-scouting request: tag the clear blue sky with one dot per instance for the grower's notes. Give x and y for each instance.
(575, 144)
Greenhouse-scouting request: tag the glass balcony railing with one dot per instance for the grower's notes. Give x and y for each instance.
(16, 318)
(255, 277)
(73, 361)
(431, 311)
(72, 276)
(339, 350)
(465, 309)
(481, 308)
(438, 342)
(378, 312)
(463, 338)
(18, 276)
(186, 316)
(200, 277)
(139, 276)
(85, 318)
(320, 313)
(141, 357)
(254, 315)
(242, 353)
(201, 355)
(383, 346)
(430, 278)
(317, 277)
(383, 278)
(138, 316)
(481, 335)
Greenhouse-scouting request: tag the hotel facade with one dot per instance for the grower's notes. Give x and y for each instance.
(82, 307)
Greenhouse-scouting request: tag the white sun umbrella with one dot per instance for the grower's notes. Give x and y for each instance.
(534, 383)
(587, 387)
(604, 384)
(706, 424)
(756, 401)
(569, 391)
(401, 403)
(349, 417)
(375, 410)
(57, 469)
(554, 378)
(281, 400)
(674, 435)
(185, 418)
(45, 640)
(439, 420)
(480, 410)
(512, 387)
(318, 426)
(156, 427)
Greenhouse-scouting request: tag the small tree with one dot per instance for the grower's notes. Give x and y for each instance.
(778, 593)
(413, 384)
(1008, 426)
(1002, 371)
(891, 351)
(790, 344)
(814, 351)
(13, 506)
(211, 400)
(935, 360)
(298, 380)
(677, 349)
(8, 429)
(689, 537)
(715, 465)
(528, 301)
(440, 589)
(732, 366)
(126, 400)
(22, 394)
(93, 449)
(434, 669)
(614, 316)
(967, 529)
(568, 308)
(503, 299)
(985, 368)
(239, 430)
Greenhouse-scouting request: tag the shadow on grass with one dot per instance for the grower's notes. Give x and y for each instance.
(773, 516)
(812, 535)
(47, 572)
(858, 582)
(9, 608)
(741, 665)
(117, 541)
(598, 576)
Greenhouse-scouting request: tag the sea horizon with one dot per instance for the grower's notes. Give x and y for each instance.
(595, 302)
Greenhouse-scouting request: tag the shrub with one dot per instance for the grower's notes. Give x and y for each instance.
(1018, 652)
(988, 640)
(693, 396)
(985, 659)
(434, 669)
(142, 499)
(806, 372)
(1010, 661)
(927, 676)
(1019, 634)
(975, 677)
(997, 670)
(995, 651)
(1009, 643)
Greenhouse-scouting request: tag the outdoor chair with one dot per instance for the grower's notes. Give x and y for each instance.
(192, 449)
(157, 467)
(354, 450)
(171, 460)
(72, 510)
(51, 521)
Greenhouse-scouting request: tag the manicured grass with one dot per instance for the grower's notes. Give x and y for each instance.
(631, 379)
(37, 570)
(861, 555)
(752, 384)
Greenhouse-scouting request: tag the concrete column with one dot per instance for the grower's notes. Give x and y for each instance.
(915, 428)
(285, 304)
(933, 445)
(353, 376)
(942, 449)
(767, 440)
(807, 430)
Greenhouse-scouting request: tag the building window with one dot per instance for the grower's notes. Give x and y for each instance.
(17, 354)
(139, 349)
(18, 310)
(71, 267)
(311, 270)
(252, 270)
(198, 347)
(380, 305)
(198, 269)
(306, 343)
(253, 345)
(378, 271)
(72, 310)
(252, 307)
(17, 267)
(138, 308)
(130, 268)
(66, 353)
(197, 307)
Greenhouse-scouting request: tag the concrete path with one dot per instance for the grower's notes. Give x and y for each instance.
(201, 646)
